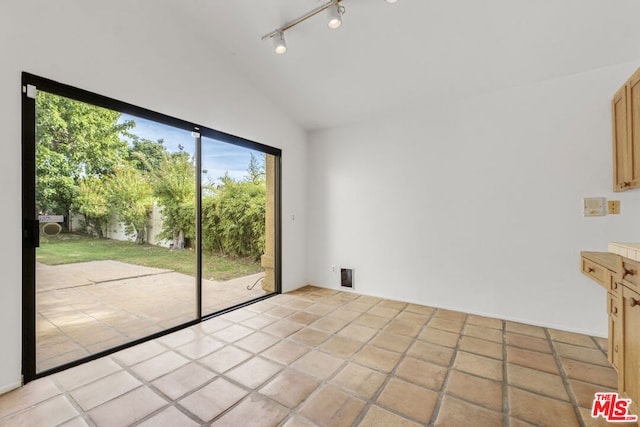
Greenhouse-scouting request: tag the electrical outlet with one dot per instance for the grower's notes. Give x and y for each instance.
(333, 268)
(613, 207)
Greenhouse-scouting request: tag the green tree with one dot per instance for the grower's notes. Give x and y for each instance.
(234, 218)
(130, 195)
(92, 201)
(175, 187)
(73, 140)
(144, 154)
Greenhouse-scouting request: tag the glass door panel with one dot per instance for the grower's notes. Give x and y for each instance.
(238, 225)
(116, 201)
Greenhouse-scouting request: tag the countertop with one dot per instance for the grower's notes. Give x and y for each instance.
(627, 250)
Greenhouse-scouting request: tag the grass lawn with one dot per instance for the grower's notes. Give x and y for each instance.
(71, 248)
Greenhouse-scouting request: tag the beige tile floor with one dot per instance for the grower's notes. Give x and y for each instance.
(328, 358)
(88, 307)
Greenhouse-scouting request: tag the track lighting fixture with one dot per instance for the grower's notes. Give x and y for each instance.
(334, 15)
(279, 45)
(334, 9)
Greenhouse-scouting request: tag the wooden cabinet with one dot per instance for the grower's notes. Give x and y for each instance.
(629, 371)
(621, 277)
(602, 267)
(625, 112)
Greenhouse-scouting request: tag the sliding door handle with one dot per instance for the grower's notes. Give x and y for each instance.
(31, 233)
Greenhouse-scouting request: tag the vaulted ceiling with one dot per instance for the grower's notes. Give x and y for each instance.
(415, 53)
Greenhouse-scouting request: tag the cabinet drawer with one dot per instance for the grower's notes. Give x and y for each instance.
(596, 272)
(630, 274)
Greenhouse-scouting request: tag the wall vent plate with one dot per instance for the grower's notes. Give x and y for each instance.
(346, 278)
(593, 206)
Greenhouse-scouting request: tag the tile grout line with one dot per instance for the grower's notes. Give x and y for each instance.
(506, 421)
(445, 383)
(564, 378)
(389, 375)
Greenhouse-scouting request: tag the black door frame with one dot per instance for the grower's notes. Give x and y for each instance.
(30, 225)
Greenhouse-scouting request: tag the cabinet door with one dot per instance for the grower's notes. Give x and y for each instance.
(615, 330)
(621, 148)
(633, 127)
(628, 370)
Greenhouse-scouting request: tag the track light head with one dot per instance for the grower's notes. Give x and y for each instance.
(334, 15)
(279, 44)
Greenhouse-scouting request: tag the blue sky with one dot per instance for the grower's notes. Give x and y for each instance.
(217, 157)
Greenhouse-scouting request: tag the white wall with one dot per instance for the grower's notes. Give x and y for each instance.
(475, 205)
(127, 51)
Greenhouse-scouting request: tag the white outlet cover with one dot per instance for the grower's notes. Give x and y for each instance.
(594, 206)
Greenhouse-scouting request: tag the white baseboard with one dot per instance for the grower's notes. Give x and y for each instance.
(8, 387)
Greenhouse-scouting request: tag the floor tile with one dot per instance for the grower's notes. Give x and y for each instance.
(232, 333)
(450, 314)
(482, 347)
(478, 365)
(377, 358)
(371, 321)
(537, 381)
(422, 373)
(532, 359)
(524, 329)
(357, 332)
(51, 412)
(481, 391)
(571, 338)
(225, 359)
(318, 364)
(341, 347)
(378, 417)
(527, 342)
(486, 322)
(332, 407)
(29, 395)
(455, 412)
(304, 317)
(213, 399)
(431, 353)
(139, 353)
(103, 390)
(318, 357)
(410, 400)
(403, 327)
(483, 333)
(254, 372)
(454, 326)
(599, 375)
(159, 365)
(589, 355)
(200, 347)
(170, 417)
(393, 342)
(128, 408)
(253, 411)
(540, 410)
(256, 342)
(285, 352)
(290, 388)
(183, 380)
(357, 379)
(585, 392)
(310, 337)
(438, 336)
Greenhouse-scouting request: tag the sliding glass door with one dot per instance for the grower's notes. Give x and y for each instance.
(135, 224)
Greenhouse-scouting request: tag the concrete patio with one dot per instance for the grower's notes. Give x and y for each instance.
(88, 307)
